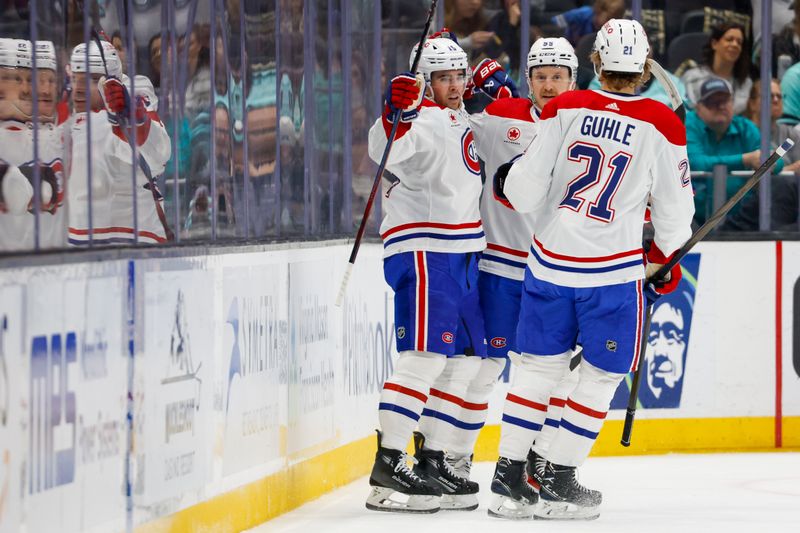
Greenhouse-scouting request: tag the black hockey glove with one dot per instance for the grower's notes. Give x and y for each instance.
(499, 182)
(52, 178)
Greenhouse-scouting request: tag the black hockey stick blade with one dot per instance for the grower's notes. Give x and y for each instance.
(381, 167)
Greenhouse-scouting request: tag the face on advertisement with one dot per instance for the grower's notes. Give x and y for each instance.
(667, 348)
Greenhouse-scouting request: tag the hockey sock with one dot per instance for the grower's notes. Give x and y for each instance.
(476, 406)
(404, 395)
(526, 403)
(442, 413)
(583, 415)
(558, 398)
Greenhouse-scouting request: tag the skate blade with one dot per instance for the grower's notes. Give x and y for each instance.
(548, 510)
(459, 502)
(390, 500)
(510, 509)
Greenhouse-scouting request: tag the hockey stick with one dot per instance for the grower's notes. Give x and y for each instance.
(145, 168)
(698, 236)
(368, 208)
(663, 78)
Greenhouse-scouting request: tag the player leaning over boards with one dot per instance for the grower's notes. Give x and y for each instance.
(431, 235)
(599, 156)
(502, 132)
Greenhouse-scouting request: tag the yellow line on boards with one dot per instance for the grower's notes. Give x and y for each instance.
(260, 501)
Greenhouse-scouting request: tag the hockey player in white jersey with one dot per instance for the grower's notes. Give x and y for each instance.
(599, 157)
(18, 225)
(502, 132)
(112, 189)
(431, 234)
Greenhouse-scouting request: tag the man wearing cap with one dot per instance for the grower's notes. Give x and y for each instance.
(716, 137)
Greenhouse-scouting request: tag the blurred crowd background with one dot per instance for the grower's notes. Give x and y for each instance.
(266, 106)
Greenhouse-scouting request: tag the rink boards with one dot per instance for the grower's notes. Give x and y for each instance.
(252, 393)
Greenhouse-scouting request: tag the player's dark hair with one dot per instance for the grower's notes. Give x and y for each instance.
(741, 69)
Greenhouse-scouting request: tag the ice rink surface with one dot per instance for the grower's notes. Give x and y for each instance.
(754, 493)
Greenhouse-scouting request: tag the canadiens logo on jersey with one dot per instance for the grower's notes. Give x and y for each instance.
(499, 342)
(469, 154)
(513, 134)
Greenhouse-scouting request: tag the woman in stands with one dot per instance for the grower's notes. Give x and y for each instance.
(724, 56)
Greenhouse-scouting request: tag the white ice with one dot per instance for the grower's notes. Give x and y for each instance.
(754, 493)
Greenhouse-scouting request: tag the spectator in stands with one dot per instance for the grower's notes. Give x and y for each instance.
(119, 45)
(753, 111)
(783, 189)
(790, 88)
(724, 56)
(588, 20)
(154, 46)
(778, 131)
(505, 25)
(786, 34)
(469, 20)
(714, 136)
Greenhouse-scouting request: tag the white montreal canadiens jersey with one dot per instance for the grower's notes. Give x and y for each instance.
(434, 206)
(502, 132)
(17, 232)
(597, 159)
(112, 190)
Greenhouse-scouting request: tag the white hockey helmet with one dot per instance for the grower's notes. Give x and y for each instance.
(439, 54)
(553, 52)
(46, 55)
(78, 60)
(15, 53)
(622, 45)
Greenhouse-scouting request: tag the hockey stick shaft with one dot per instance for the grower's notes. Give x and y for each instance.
(381, 167)
(145, 168)
(698, 236)
(717, 217)
(669, 87)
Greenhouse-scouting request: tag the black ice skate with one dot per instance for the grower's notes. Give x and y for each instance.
(534, 467)
(462, 464)
(512, 496)
(458, 493)
(396, 488)
(563, 498)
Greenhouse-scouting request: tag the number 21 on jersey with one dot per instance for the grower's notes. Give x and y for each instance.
(597, 172)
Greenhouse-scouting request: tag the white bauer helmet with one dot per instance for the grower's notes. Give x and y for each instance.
(15, 53)
(46, 55)
(622, 45)
(439, 54)
(77, 61)
(553, 52)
